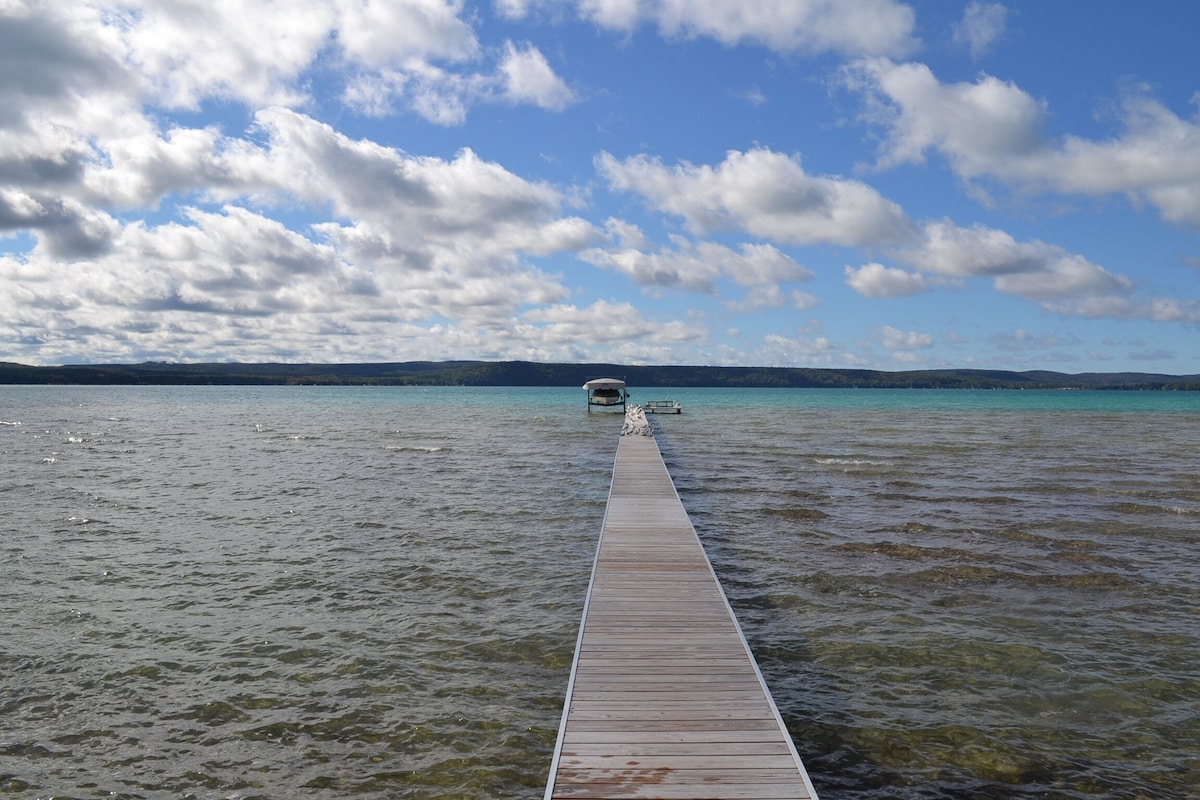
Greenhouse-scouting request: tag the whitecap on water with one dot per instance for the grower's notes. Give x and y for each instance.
(854, 462)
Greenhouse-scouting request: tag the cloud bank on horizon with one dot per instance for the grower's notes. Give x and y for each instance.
(841, 183)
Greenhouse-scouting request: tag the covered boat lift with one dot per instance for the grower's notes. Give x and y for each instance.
(606, 393)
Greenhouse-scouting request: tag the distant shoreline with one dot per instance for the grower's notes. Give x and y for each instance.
(526, 373)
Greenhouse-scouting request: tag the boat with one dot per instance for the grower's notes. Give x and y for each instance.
(662, 407)
(608, 394)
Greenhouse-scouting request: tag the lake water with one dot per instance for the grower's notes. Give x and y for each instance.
(305, 592)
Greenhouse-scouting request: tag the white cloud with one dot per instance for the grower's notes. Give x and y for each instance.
(52, 55)
(257, 52)
(446, 96)
(413, 241)
(1034, 270)
(188, 51)
(626, 234)
(622, 15)
(763, 193)
(194, 288)
(140, 233)
(804, 348)
(993, 129)
(392, 33)
(529, 78)
(1019, 339)
(67, 228)
(756, 299)
(1063, 275)
(894, 339)
(419, 54)
(697, 266)
(802, 301)
(981, 25)
(605, 321)
(441, 96)
(466, 208)
(856, 27)
(876, 280)
(140, 166)
(1157, 156)
(1155, 309)
(978, 127)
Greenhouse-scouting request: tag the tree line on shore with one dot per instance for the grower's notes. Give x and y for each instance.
(526, 373)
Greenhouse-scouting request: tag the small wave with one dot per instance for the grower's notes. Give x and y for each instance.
(413, 449)
(1146, 508)
(966, 574)
(5, 422)
(854, 462)
(75, 439)
(49, 460)
(906, 551)
(796, 514)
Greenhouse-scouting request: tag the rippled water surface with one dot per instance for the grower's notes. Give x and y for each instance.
(245, 592)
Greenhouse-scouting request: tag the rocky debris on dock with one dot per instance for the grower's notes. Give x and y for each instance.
(636, 423)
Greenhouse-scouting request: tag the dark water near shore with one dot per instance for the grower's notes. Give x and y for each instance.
(320, 593)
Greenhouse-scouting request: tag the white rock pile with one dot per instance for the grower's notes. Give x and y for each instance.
(636, 423)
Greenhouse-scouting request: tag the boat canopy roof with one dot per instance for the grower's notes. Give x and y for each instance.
(604, 383)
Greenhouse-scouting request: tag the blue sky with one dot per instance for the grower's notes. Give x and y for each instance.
(824, 183)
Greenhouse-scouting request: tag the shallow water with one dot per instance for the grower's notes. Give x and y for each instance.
(218, 592)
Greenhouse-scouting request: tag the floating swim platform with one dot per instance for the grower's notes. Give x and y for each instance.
(662, 407)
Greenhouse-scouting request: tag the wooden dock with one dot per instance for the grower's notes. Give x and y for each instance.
(665, 699)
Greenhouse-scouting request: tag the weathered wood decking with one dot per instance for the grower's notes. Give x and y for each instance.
(665, 699)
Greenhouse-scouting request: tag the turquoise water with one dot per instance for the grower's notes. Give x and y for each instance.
(224, 592)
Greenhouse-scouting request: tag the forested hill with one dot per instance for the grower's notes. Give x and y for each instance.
(524, 373)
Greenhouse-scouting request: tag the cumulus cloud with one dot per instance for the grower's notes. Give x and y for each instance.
(768, 194)
(140, 233)
(697, 266)
(466, 210)
(48, 58)
(236, 280)
(1156, 309)
(528, 78)
(412, 241)
(391, 33)
(1035, 271)
(858, 27)
(69, 230)
(993, 129)
(446, 96)
(259, 53)
(763, 193)
(1057, 280)
(606, 321)
(1019, 339)
(981, 25)
(893, 339)
(398, 244)
(978, 127)
(876, 280)
(422, 55)
(806, 347)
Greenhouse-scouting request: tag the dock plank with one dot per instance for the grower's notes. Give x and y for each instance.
(665, 699)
